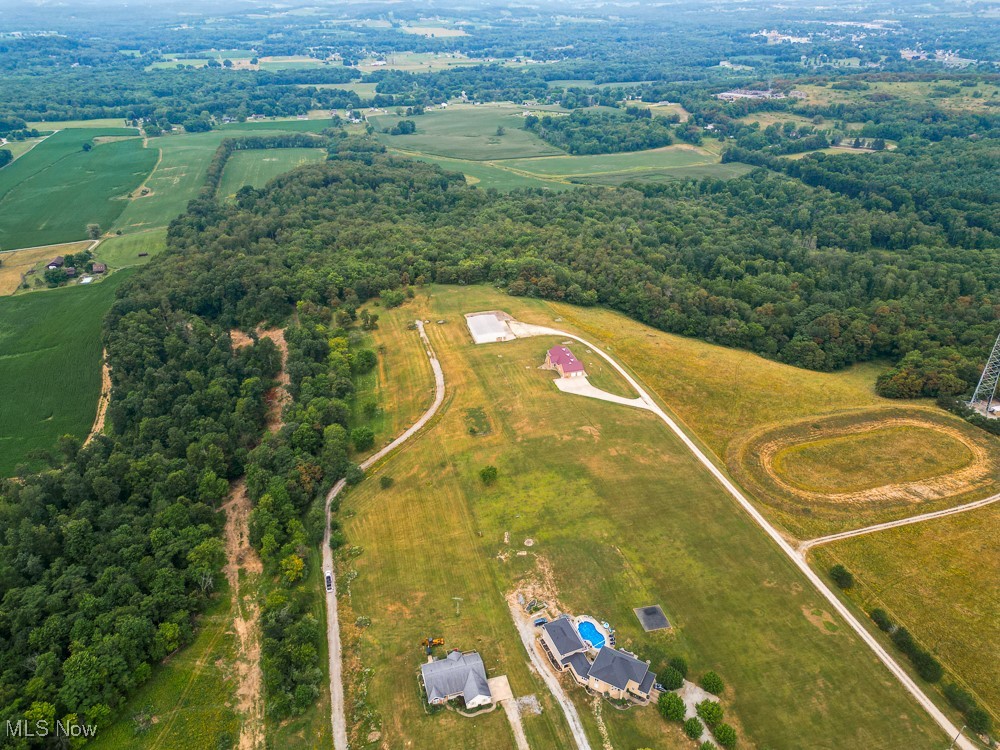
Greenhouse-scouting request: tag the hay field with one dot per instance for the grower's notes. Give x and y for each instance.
(623, 516)
(257, 168)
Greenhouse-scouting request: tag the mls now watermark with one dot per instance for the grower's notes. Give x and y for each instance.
(46, 728)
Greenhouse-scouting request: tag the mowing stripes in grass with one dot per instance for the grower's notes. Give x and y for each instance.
(52, 192)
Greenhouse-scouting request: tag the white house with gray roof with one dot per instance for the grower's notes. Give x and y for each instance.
(458, 675)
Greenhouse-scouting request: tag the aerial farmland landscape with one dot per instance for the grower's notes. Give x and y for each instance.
(421, 376)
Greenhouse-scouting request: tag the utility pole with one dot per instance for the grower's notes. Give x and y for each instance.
(956, 737)
(986, 389)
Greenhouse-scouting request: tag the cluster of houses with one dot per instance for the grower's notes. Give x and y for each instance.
(59, 262)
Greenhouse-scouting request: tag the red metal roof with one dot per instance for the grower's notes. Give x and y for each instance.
(562, 357)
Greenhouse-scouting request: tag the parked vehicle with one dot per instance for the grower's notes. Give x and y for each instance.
(329, 582)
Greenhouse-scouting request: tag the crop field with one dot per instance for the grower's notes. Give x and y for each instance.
(257, 168)
(941, 579)
(100, 123)
(716, 171)
(188, 701)
(50, 367)
(51, 193)
(182, 168)
(124, 251)
(467, 132)
(645, 524)
(14, 264)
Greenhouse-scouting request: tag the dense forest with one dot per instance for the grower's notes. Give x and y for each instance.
(598, 132)
(802, 274)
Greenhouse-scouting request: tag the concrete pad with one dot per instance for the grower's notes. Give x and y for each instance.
(583, 387)
(489, 327)
(500, 688)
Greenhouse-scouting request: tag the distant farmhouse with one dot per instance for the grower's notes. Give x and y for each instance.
(56, 262)
(458, 675)
(561, 359)
(617, 674)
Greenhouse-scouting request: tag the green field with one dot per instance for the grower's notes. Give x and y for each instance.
(50, 367)
(941, 579)
(465, 131)
(52, 192)
(487, 175)
(182, 167)
(123, 251)
(177, 178)
(624, 516)
(464, 138)
(364, 90)
(257, 168)
(101, 123)
(581, 166)
(905, 454)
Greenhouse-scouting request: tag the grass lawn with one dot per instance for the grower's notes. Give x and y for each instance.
(50, 367)
(258, 167)
(490, 175)
(189, 697)
(19, 148)
(625, 517)
(905, 454)
(635, 161)
(52, 192)
(466, 131)
(14, 264)
(101, 122)
(941, 579)
(177, 178)
(401, 384)
(123, 251)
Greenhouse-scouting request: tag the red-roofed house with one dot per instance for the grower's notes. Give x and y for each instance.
(561, 359)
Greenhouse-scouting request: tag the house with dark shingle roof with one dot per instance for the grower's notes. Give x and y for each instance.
(620, 675)
(458, 675)
(614, 673)
(562, 640)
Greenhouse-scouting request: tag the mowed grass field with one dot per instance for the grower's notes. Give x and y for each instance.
(466, 131)
(464, 138)
(52, 192)
(50, 367)
(183, 165)
(905, 453)
(258, 167)
(125, 250)
(941, 579)
(188, 702)
(625, 517)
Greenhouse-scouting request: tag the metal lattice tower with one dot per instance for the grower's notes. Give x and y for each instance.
(986, 390)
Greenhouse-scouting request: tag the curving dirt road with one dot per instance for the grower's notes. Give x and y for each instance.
(524, 329)
(337, 717)
(809, 544)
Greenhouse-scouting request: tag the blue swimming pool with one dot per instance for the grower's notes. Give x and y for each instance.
(590, 634)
